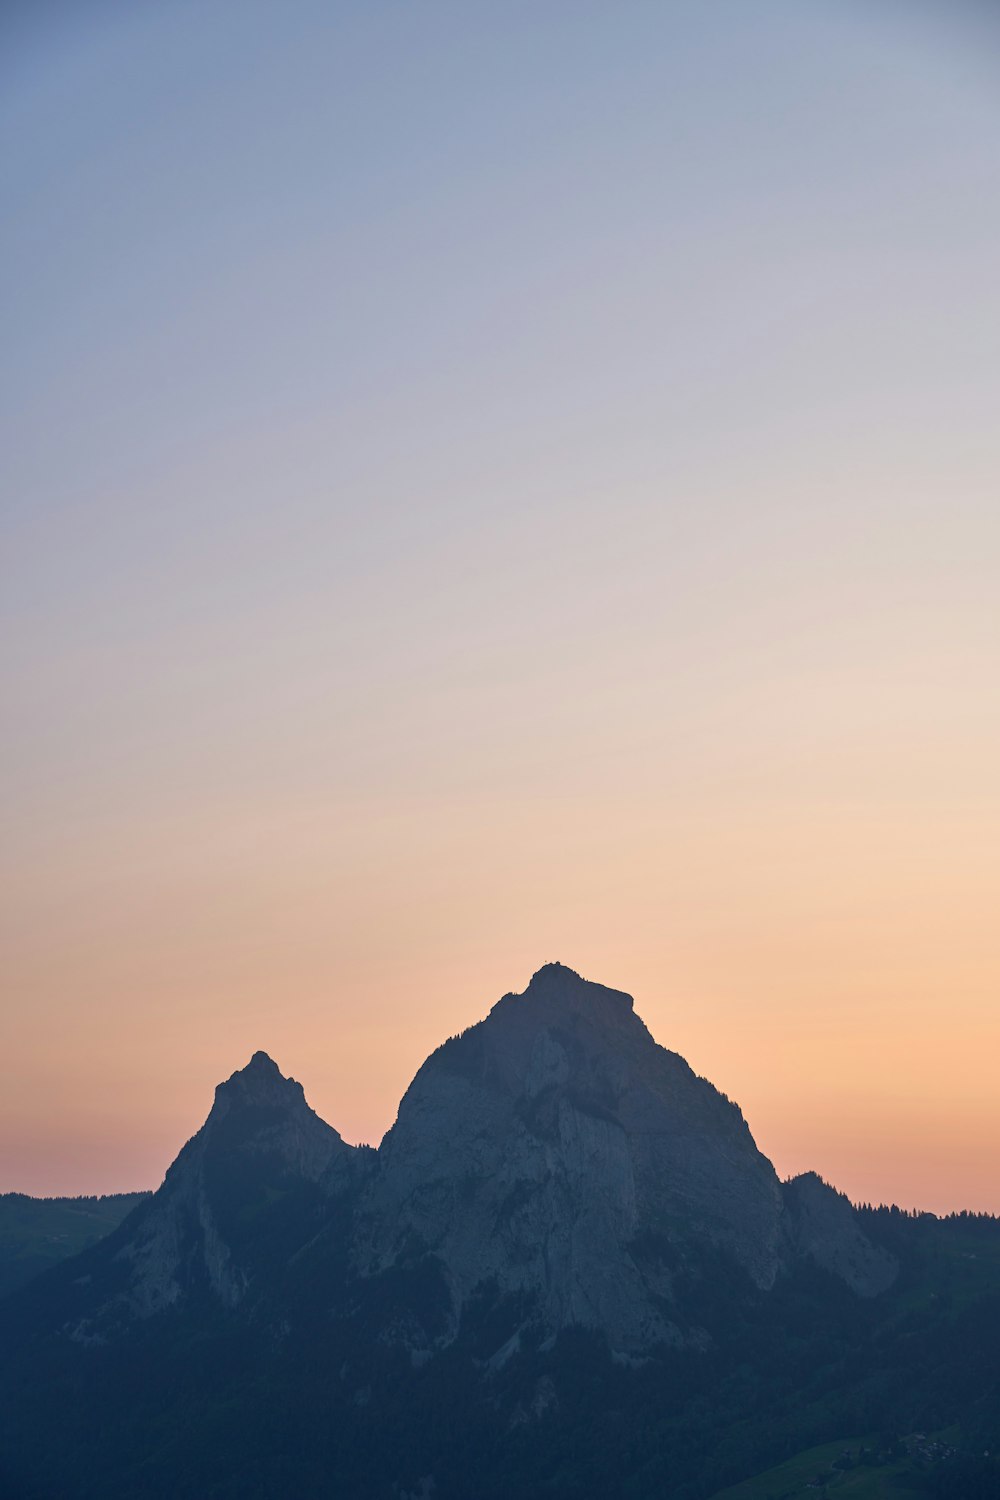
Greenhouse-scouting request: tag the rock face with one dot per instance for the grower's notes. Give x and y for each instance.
(261, 1113)
(553, 1158)
(821, 1224)
(262, 1151)
(558, 1151)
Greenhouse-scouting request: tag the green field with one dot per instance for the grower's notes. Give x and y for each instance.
(811, 1475)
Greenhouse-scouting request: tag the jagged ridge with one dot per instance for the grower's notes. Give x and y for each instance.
(554, 1153)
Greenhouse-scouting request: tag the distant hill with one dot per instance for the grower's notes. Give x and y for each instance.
(567, 1272)
(36, 1233)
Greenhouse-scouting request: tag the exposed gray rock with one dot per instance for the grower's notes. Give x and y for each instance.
(556, 1150)
(283, 1127)
(553, 1154)
(260, 1137)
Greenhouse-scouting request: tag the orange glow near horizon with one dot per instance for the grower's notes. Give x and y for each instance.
(814, 933)
(788, 992)
(494, 484)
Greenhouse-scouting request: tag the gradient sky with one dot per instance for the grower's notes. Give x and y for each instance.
(491, 484)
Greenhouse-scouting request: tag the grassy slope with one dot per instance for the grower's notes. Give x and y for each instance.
(36, 1233)
(796, 1479)
(949, 1266)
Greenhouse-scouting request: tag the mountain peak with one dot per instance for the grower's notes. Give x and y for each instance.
(556, 983)
(554, 970)
(260, 1082)
(261, 1060)
(554, 1149)
(261, 1151)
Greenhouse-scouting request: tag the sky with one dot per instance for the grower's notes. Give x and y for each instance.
(485, 485)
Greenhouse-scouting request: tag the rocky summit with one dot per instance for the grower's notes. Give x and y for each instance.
(557, 1150)
(261, 1149)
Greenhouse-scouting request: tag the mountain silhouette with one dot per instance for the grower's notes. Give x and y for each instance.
(557, 1148)
(558, 1194)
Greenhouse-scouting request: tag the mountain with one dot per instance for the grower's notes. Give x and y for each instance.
(821, 1224)
(257, 1177)
(556, 1149)
(222, 1211)
(567, 1270)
